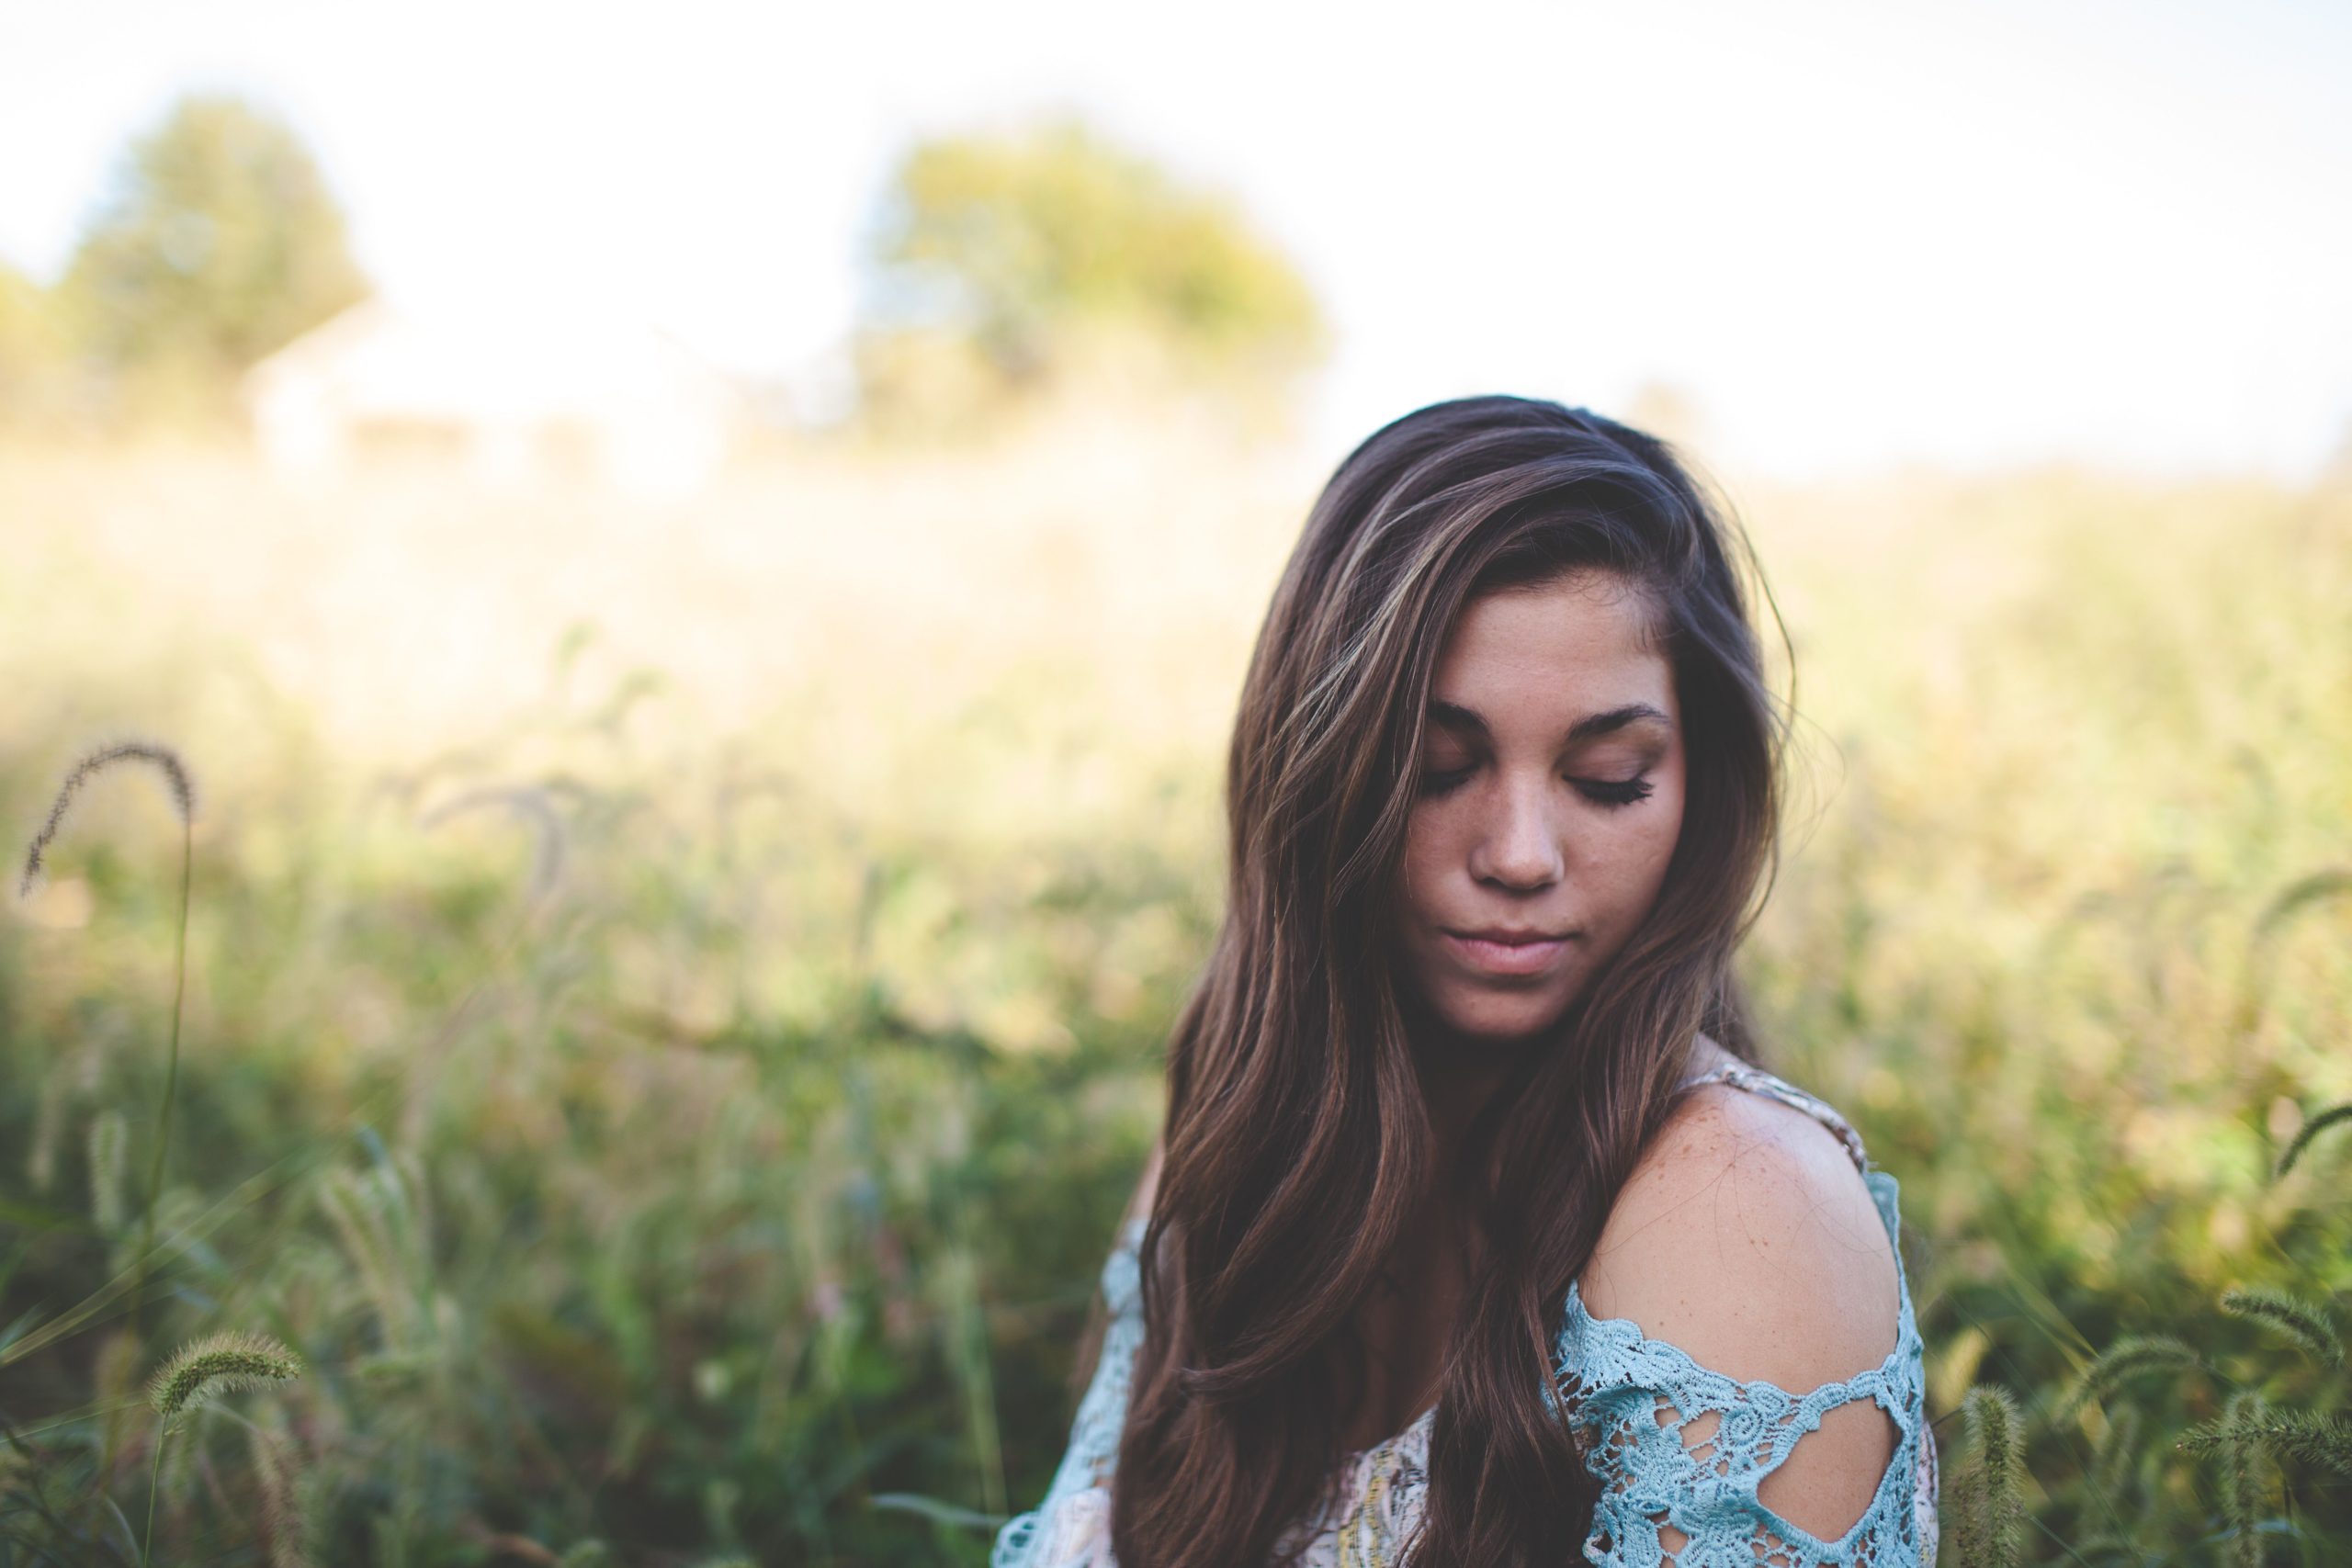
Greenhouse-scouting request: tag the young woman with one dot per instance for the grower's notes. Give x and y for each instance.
(1476, 1233)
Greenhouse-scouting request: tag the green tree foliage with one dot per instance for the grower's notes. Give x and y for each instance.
(1012, 264)
(219, 243)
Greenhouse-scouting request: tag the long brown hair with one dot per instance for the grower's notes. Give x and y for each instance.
(1296, 1142)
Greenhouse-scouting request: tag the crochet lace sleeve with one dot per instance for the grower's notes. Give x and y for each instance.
(1631, 1401)
(1072, 1528)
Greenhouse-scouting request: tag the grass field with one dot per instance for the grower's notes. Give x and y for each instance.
(673, 991)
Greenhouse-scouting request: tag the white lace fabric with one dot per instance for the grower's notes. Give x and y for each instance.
(1629, 1398)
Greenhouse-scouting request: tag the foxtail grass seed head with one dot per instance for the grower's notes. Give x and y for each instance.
(2127, 1357)
(109, 1141)
(1988, 1501)
(2319, 1123)
(2310, 1436)
(365, 1215)
(2307, 1322)
(2246, 1475)
(40, 1157)
(285, 1524)
(162, 758)
(216, 1364)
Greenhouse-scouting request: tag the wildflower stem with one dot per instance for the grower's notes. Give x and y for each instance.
(171, 1081)
(155, 1484)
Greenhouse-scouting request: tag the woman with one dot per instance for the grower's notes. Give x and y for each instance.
(1476, 1235)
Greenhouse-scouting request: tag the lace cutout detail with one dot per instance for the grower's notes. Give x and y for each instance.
(1631, 1406)
(1630, 1399)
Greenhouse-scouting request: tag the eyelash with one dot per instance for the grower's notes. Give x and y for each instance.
(1610, 793)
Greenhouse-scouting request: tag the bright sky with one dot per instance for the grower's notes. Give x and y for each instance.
(1854, 233)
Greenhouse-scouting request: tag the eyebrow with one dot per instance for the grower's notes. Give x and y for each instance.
(1455, 716)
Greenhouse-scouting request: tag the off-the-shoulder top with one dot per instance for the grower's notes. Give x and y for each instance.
(1629, 1398)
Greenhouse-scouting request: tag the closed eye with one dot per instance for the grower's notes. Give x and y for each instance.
(1615, 791)
(1601, 792)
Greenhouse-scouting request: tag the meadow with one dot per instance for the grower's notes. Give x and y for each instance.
(674, 990)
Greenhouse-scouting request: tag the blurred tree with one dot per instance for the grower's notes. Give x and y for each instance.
(218, 244)
(1010, 266)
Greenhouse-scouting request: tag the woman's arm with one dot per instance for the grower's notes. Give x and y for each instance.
(1070, 1528)
(1147, 1188)
(1092, 1338)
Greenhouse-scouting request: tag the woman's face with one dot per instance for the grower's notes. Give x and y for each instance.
(1550, 800)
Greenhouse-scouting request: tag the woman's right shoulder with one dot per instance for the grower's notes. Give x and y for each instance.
(1743, 1207)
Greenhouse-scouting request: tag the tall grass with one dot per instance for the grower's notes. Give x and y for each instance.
(670, 1073)
(183, 798)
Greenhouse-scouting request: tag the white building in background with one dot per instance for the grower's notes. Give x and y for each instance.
(518, 396)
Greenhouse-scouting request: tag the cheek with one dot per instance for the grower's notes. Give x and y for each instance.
(1649, 843)
(1424, 859)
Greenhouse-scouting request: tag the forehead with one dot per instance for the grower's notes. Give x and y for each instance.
(1580, 643)
(1593, 626)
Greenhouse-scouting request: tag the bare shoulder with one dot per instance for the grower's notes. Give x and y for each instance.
(1747, 1237)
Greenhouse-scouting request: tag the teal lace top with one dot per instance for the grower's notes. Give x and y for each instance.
(1629, 1398)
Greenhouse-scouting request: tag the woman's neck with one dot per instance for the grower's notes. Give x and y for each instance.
(1459, 1074)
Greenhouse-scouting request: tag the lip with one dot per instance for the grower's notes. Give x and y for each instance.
(1484, 952)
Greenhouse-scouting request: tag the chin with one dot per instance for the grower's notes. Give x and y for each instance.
(1504, 1020)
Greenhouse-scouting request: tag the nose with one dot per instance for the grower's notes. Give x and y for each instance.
(1519, 846)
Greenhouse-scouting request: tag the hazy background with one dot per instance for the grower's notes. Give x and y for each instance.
(1853, 234)
(700, 565)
